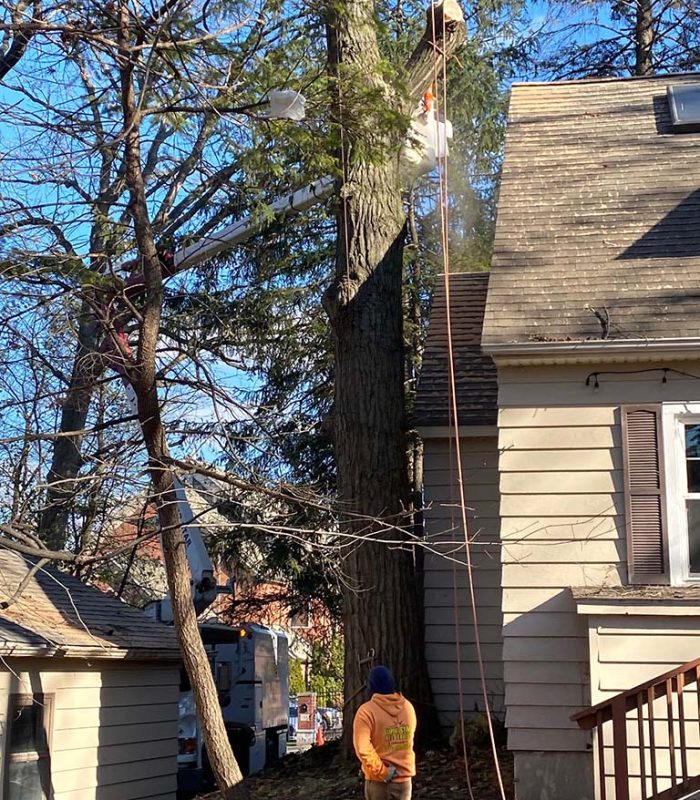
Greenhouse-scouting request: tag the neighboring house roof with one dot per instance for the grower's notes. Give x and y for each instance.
(257, 598)
(56, 614)
(598, 211)
(477, 389)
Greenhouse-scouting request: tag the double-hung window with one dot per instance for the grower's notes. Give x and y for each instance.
(691, 437)
(681, 432)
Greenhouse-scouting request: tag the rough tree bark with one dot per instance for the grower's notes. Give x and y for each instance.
(20, 16)
(644, 38)
(383, 610)
(142, 375)
(67, 459)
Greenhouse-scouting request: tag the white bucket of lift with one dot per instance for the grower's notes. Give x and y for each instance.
(285, 104)
(426, 143)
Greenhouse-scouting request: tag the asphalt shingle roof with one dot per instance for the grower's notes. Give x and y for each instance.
(477, 390)
(59, 615)
(599, 210)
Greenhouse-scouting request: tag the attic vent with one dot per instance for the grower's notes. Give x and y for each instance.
(684, 104)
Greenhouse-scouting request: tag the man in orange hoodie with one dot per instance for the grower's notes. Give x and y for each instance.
(383, 732)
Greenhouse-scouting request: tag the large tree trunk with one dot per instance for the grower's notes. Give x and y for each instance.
(142, 375)
(644, 38)
(382, 605)
(67, 458)
(382, 608)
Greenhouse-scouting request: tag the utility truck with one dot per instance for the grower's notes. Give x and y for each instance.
(251, 670)
(250, 664)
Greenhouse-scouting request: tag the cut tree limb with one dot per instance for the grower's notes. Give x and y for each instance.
(445, 32)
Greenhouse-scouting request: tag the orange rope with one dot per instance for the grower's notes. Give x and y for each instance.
(444, 218)
(429, 101)
(458, 642)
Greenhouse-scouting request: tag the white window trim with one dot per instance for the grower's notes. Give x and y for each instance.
(673, 417)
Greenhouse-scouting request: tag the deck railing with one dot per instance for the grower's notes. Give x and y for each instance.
(654, 737)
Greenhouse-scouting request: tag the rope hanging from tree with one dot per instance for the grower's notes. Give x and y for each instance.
(454, 413)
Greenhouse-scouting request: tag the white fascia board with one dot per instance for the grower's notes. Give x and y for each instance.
(588, 351)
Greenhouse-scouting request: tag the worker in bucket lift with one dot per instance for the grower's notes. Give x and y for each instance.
(383, 732)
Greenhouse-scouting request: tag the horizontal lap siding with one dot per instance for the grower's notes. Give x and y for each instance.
(448, 612)
(629, 650)
(114, 732)
(562, 509)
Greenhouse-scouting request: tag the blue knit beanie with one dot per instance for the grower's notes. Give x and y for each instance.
(381, 681)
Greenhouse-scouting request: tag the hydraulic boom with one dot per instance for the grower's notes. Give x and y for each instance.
(204, 589)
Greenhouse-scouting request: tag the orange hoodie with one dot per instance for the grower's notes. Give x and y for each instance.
(383, 732)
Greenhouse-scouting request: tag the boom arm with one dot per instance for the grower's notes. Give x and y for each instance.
(204, 589)
(431, 146)
(242, 230)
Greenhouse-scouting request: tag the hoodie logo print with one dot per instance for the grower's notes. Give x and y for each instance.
(396, 738)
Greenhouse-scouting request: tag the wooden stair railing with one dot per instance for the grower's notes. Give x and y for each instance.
(628, 708)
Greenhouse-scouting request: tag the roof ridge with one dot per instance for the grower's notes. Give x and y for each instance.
(607, 79)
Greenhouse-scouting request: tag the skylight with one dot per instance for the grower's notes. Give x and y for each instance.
(684, 103)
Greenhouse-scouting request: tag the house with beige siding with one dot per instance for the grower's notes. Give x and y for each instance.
(89, 691)
(582, 475)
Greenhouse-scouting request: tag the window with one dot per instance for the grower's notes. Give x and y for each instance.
(691, 435)
(661, 472)
(684, 105)
(27, 767)
(301, 619)
(681, 428)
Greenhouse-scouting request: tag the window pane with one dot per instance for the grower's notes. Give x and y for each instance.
(693, 465)
(693, 507)
(692, 441)
(26, 726)
(24, 780)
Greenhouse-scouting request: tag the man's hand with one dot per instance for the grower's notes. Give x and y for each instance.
(391, 774)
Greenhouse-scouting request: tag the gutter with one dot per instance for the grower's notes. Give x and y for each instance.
(592, 350)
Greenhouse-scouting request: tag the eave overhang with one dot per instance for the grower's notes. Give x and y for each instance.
(593, 351)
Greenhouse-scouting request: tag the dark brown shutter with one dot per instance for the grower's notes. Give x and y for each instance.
(647, 550)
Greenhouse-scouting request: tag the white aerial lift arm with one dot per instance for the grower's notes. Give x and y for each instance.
(204, 589)
(425, 144)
